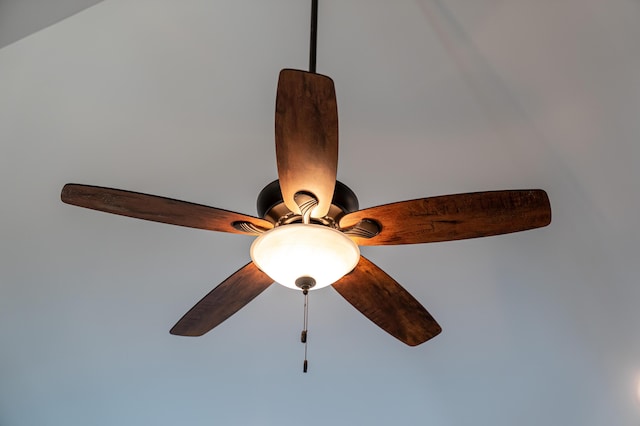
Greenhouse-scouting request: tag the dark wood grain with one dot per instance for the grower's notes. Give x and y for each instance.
(381, 299)
(223, 301)
(455, 217)
(157, 209)
(306, 137)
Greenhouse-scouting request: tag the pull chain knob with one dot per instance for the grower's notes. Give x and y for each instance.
(305, 283)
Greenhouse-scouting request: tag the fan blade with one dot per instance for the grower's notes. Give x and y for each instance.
(306, 138)
(381, 299)
(223, 301)
(160, 209)
(454, 217)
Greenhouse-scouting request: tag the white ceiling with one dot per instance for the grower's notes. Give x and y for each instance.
(177, 99)
(20, 18)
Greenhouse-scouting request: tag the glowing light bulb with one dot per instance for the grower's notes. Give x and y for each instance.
(289, 252)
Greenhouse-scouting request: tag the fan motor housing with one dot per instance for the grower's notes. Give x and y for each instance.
(271, 206)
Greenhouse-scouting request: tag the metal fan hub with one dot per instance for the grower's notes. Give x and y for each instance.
(271, 206)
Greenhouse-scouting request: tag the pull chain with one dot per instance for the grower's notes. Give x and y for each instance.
(306, 202)
(305, 283)
(304, 334)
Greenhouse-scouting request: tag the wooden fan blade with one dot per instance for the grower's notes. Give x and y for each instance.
(223, 301)
(381, 299)
(454, 217)
(306, 138)
(160, 209)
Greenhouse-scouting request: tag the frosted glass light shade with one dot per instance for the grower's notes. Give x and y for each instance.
(289, 252)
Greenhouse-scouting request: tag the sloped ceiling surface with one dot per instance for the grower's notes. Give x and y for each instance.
(21, 18)
(177, 99)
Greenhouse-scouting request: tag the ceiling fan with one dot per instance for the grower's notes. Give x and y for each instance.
(309, 225)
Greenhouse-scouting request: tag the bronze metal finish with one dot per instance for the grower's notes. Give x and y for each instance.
(272, 208)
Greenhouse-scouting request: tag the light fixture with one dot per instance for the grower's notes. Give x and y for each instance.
(296, 252)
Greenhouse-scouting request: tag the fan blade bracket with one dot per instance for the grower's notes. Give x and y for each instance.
(249, 228)
(366, 228)
(307, 202)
